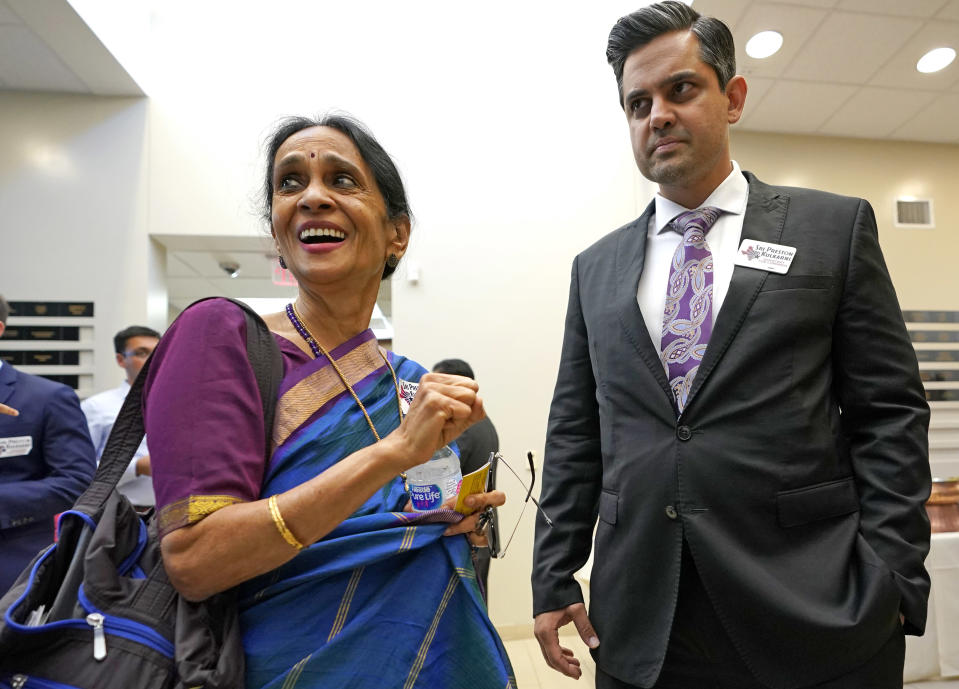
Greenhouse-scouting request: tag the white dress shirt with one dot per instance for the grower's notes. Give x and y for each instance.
(661, 241)
(101, 411)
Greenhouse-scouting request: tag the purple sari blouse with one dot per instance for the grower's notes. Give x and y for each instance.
(203, 415)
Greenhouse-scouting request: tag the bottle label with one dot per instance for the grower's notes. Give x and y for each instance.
(426, 497)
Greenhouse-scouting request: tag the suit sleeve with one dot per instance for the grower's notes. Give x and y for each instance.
(69, 462)
(572, 469)
(885, 418)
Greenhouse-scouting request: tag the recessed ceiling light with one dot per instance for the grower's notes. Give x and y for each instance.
(764, 44)
(934, 60)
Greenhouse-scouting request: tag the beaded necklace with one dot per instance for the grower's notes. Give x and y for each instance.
(318, 349)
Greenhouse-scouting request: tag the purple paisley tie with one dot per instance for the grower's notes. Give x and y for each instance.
(688, 318)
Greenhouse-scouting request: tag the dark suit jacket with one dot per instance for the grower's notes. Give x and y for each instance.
(36, 486)
(475, 444)
(797, 473)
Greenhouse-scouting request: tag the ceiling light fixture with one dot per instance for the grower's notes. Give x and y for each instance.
(764, 44)
(935, 60)
(231, 268)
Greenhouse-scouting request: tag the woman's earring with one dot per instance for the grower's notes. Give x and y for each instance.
(393, 261)
(282, 262)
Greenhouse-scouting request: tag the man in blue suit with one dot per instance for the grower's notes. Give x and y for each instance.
(46, 461)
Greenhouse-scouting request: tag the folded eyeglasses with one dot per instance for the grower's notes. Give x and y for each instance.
(488, 518)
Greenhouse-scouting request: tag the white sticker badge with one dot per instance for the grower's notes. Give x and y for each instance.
(775, 258)
(407, 393)
(17, 446)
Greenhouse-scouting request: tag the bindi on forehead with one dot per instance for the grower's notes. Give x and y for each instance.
(312, 154)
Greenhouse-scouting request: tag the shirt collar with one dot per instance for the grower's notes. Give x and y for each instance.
(730, 197)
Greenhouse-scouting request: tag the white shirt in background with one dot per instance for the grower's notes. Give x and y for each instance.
(101, 411)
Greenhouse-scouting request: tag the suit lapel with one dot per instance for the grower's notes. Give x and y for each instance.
(8, 377)
(630, 259)
(764, 221)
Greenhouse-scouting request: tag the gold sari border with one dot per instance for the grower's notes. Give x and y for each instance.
(303, 400)
(408, 537)
(190, 510)
(431, 632)
(344, 609)
(294, 675)
(466, 572)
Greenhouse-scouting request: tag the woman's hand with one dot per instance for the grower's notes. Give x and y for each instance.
(445, 405)
(9, 411)
(477, 502)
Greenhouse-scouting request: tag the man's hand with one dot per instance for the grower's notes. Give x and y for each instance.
(546, 628)
(9, 411)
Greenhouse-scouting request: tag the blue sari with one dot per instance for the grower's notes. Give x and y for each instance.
(384, 600)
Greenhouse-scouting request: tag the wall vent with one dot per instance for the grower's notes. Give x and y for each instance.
(914, 213)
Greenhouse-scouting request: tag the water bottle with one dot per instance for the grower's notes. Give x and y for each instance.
(433, 482)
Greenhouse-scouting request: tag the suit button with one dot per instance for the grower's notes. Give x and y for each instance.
(671, 512)
(684, 433)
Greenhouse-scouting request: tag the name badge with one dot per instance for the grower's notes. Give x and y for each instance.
(17, 446)
(776, 258)
(407, 393)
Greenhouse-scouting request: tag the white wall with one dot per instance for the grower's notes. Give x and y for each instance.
(73, 173)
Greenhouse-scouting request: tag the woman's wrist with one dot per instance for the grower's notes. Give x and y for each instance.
(393, 453)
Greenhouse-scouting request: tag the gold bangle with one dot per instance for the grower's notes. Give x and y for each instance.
(281, 525)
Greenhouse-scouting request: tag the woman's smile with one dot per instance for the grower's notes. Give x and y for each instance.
(319, 237)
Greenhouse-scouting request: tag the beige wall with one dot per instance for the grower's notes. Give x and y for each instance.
(73, 209)
(921, 261)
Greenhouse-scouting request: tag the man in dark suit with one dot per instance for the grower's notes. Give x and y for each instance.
(475, 444)
(46, 461)
(739, 403)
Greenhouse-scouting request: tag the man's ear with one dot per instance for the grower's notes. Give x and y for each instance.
(736, 95)
(121, 361)
(400, 240)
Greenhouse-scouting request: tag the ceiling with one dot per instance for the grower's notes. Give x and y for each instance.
(194, 270)
(848, 67)
(193, 267)
(46, 46)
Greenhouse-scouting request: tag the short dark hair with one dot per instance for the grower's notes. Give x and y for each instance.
(457, 367)
(384, 170)
(716, 46)
(120, 339)
(4, 310)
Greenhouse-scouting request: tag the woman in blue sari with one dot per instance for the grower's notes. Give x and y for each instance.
(338, 584)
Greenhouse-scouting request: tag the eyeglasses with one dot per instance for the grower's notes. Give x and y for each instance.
(140, 353)
(488, 519)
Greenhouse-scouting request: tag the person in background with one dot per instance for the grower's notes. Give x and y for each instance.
(739, 403)
(46, 461)
(475, 444)
(338, 585)
(133, 346)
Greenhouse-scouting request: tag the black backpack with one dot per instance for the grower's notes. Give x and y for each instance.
(95, 610)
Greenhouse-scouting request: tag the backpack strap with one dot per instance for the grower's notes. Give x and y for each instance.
(128, 430)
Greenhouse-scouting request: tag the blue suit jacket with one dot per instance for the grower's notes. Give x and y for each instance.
(50, 477)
